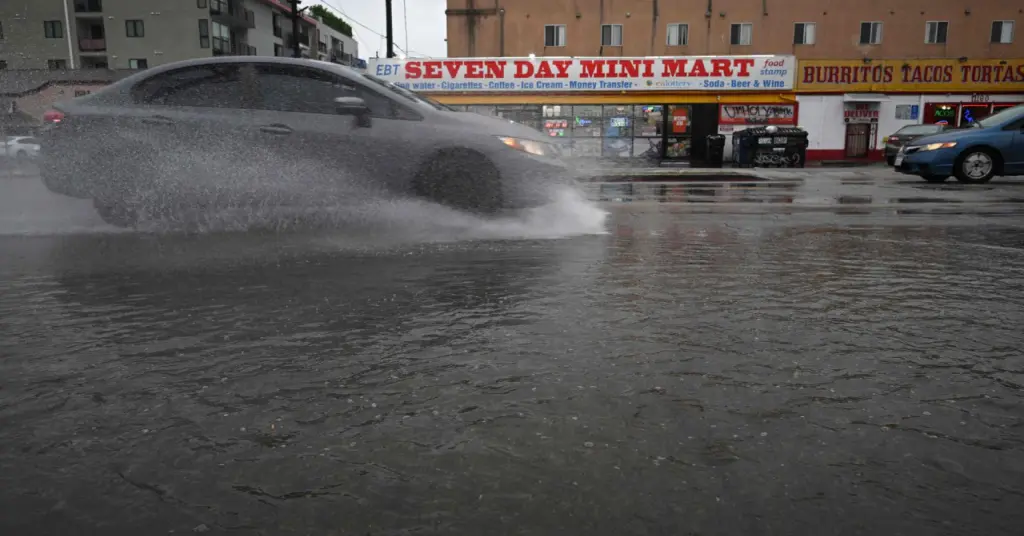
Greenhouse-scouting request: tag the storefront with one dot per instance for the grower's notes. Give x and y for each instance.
(613, 108)
(850, 106)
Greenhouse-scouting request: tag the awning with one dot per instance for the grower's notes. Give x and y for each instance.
(864, 97)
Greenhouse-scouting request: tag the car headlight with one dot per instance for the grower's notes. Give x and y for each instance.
(937, 146)
(527, 146)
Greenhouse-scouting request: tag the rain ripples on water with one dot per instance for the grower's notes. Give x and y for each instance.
(672, 376)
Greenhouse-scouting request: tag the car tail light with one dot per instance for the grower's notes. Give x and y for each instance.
(894, 138)
(53, 117)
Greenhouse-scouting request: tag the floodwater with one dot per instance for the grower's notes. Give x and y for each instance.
(765, 361)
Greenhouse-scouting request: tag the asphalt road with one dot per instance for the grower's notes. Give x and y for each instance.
(827, 352)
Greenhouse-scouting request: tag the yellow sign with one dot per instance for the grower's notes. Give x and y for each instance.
(911, 76)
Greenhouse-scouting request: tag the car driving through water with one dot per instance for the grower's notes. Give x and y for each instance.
(198, 136)
(989, 147)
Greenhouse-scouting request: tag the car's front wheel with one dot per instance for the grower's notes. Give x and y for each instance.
(975, 166)
(461, 179)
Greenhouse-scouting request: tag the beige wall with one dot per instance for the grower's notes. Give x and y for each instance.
(838, 27)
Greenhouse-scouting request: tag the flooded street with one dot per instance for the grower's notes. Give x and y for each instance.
(828, 355)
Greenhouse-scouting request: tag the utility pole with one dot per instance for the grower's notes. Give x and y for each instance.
(296, 15)
(389, 29)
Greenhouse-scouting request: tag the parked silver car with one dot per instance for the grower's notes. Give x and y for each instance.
(199, 135)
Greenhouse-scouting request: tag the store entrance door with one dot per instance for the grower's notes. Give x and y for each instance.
(705, 123)
(858, 138)
(677, 133)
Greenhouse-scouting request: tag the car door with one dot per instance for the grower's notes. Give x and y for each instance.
(198, 129)
(1014, 154)
(326, 156)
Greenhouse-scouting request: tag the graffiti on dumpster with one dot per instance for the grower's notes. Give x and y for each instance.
(757, 114)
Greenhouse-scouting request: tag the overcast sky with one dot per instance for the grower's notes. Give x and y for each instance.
(426, 25)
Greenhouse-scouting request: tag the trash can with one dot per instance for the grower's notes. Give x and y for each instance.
(715, 150)
(770, 146)
(743, 147)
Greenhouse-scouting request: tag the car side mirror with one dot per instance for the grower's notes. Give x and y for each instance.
(353, 106)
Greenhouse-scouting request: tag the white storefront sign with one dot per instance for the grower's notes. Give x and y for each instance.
(677, 73)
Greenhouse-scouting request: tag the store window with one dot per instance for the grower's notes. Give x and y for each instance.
(679, 135)
(647, 130)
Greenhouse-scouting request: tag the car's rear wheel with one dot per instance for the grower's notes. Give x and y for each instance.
(462, 179)
(976, 166)
(116, 213)
(891, 160)
(935, 179)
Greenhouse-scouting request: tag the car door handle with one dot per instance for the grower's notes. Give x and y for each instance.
(276, 129)
(157, 120)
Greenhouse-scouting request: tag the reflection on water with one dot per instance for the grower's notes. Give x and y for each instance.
(676, 375)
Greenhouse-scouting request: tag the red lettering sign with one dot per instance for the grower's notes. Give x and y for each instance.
(751, 73)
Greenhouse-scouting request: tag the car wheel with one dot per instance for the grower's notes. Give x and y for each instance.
(116, 213)
(22, 156)
(975, 166)
(461, 179)
(891, 160)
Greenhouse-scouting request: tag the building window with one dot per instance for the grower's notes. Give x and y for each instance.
(201, 4)
(935, 32)
(1002, 31)
(3, 65)
(221, 38)
(204, 33)
(741, 34)
(134, 28)
(53, 29)
(803, 33)
(870, 33)
(278, 49)
(678, 35)
(277, 25)
(554, 35)
(1, 31)
(138, 64)
(56, 65)
(611, 35)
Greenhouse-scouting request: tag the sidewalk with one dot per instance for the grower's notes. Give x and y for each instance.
(684, 174)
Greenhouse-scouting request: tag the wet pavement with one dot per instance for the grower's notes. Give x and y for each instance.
(831, 353)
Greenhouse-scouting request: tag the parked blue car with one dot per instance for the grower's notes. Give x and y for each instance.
(989, 147)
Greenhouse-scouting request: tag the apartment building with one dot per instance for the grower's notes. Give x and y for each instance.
(136, 34)
(807, 29)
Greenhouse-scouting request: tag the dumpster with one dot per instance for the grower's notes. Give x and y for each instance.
(715, 151)
(770, 146)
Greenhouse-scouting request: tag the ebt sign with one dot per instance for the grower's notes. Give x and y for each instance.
(676, 73)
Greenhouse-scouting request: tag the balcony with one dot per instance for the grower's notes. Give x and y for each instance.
(92, 45)
(233, 17)
(88, 6)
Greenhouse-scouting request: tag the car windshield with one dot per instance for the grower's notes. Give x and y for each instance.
(999, 118)
(410, 95)
(916, 130)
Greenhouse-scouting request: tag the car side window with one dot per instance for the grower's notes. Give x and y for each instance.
(207, 86)
(288, 88)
